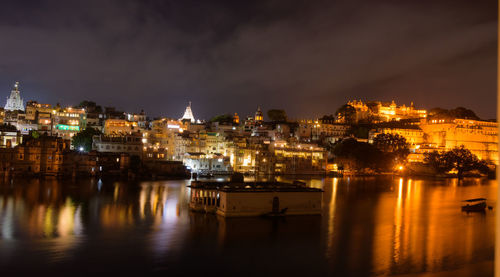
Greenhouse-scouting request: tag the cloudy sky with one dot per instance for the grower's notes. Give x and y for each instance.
(307, 57)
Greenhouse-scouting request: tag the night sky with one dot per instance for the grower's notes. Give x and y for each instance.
(307, 57)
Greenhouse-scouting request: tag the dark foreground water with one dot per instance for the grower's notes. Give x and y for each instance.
(370, 226)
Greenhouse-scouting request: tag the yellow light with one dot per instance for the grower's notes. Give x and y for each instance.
(400, 167)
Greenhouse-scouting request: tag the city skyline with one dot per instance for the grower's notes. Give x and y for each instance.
(306, 58)
(188, 114)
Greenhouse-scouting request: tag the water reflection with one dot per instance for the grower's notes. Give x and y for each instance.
(370, 226)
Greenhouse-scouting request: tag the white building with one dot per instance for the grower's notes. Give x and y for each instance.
(15, 102)
(188, 114)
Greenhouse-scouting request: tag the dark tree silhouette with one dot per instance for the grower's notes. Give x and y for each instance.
(83, 139)
(394, 144)
(223, 118)
(346, 113)
(277, 115)
(459, 158)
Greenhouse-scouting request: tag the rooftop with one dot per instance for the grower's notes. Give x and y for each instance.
(253, 186)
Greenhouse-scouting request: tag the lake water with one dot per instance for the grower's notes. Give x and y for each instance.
(369, 226)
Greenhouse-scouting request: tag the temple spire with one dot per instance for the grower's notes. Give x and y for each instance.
(14, 101)
(188, 114)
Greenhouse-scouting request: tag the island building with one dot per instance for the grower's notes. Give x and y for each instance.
(240, 199)
(14, 101)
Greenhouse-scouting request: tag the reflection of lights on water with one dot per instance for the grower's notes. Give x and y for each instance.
(8, 218)
(142, 201)
(115, 192)
(331, 214)
(66, 219)
(99, 185)
(48, 225)
(397, 223)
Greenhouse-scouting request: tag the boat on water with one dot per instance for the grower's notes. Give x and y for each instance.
(475, 205)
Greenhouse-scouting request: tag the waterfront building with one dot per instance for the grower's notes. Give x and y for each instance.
(188, 114)
(155, 153)
(480, 137)
(126, 143)
(204, 164)
(297, 158)
(14, 101)
(43, 156)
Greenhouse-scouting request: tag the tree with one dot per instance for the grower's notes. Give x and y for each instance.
(360, 130)
(394, 144)
(459, 112)
(459, 158)
(90, 106)
(437, 161)
(327, 119)
(277, 115)
(360, 155)
(346, 113)
(83, 140)
(223, 118)
(35, 134)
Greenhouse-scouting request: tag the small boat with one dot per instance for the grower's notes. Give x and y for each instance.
(475, 205)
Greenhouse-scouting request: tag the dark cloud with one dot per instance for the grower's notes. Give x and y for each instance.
(308, 57)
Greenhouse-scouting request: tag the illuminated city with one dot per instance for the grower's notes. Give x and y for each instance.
(235, 138)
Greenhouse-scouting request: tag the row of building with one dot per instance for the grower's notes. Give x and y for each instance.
(249, 145)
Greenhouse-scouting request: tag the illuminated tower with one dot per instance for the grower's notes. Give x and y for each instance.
(188, 114)
(15, 102)
(236, 118)
(258, 115)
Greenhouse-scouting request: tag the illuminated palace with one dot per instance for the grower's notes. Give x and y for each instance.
(384, 111)
(480, 137)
